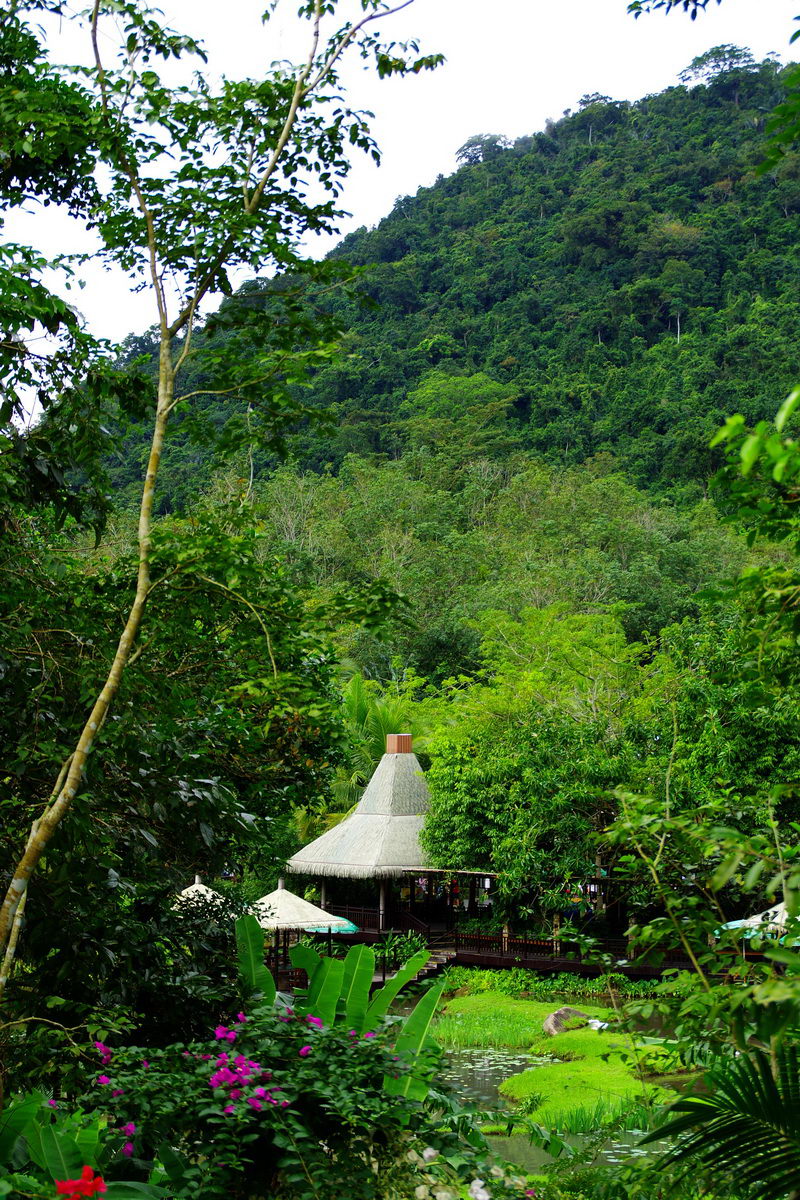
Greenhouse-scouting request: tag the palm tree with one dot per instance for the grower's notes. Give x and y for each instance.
(369, 717)
(747, 1127)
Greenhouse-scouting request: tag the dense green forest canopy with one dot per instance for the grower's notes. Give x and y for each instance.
(615, 284)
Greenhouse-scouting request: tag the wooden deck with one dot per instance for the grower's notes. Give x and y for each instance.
(499, 952)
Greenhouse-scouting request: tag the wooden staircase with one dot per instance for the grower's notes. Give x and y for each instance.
(443, 952)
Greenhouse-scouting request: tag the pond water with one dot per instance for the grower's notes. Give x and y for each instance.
(476, 1073)
(619, 1147)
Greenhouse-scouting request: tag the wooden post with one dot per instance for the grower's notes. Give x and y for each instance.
(599, 900)
(382, 907)
(323, 892)
(472, 907)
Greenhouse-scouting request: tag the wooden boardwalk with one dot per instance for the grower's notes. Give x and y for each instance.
(504, 952)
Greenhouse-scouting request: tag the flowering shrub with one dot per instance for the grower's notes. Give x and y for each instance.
(278, 1102)
(44, 1148)
(89, 1184)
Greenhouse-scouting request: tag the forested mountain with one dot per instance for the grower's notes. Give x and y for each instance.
(502, 538)
(615, 284)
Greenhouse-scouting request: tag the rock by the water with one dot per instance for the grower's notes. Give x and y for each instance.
(558, 1020)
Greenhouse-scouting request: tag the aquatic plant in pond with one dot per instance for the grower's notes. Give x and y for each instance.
(520, 982)
(475, 1073)
(594, 1065)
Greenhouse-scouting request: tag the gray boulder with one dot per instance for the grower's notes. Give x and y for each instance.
(558, 1020)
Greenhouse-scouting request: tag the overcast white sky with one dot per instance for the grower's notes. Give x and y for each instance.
(511, 64)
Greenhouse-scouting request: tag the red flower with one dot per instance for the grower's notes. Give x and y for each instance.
(87, 1185)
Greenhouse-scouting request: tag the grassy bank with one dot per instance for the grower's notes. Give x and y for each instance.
(493, 1020)
(593, 1066)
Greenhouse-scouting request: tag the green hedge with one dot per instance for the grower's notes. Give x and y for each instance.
(519, 982)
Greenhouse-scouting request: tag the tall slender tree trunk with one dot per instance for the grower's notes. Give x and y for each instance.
(61, 801)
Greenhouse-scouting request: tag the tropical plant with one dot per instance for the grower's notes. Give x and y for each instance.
(42, 1145)
(370, 714)
(747, 1127)
(323, 1093)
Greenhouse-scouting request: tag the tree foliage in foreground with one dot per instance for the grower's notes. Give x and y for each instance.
(200, 179)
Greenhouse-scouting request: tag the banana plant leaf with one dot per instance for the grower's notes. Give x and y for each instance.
(411, 1042)
(250, 946)
(359, 968)
(383, 998)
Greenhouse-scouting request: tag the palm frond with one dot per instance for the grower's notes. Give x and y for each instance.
(747, 1127)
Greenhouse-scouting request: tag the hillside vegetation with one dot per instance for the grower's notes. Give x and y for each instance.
(615, 284)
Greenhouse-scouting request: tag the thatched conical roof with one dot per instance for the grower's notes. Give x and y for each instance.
(196, 892)
(380, 838)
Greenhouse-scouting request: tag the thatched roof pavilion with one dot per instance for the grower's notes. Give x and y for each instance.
(380, 838)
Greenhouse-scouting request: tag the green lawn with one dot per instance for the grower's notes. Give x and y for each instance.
(492, 1019)
(595, 1064)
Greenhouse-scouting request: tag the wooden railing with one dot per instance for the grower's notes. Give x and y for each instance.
(557, 954)
(364, 918)
(409, 923)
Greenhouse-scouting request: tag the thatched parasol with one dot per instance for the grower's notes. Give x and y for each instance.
(197, 891)
(281, 909)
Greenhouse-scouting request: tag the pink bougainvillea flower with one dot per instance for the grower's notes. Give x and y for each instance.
(352, 1033)
(88, 1185)
(241, 1018)
(52, 1104)
(145, 1064)
(255, 1103)
(229, 1108)
(223, 1034)
(314, 1021)
(284, 1103)
(117, 1092)
(369, 1035)
(104, 1052)
(303, 1051)
(129, 1130)
(103, 1079)
(236, 1094)
(127, 1149)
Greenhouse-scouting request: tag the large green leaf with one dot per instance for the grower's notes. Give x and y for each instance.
(411, 1041)
(383, 998)
(747, 1127)
(359, 968)
(55, 1151)
(130, 1189)
(325, 990)
(14, 1120)
(305, 958)
(174, 1164)
(250, 945)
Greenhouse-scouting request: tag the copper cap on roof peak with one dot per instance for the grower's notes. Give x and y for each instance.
(398, 743)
